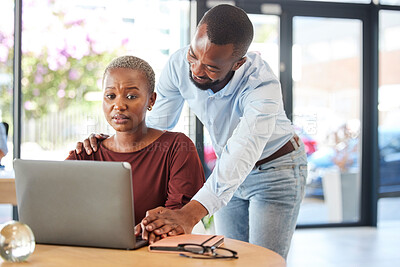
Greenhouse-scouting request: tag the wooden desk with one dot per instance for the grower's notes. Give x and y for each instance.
(48, 255)
(7, 191)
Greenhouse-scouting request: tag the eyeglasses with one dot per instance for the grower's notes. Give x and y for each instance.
(206, 252)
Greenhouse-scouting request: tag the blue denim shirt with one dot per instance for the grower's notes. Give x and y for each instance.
(245, 119)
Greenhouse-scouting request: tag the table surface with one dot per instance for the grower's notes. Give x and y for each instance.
(53, 255)
(7, 191)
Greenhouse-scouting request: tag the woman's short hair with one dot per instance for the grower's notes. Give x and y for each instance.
(227, 24)
(133, 63)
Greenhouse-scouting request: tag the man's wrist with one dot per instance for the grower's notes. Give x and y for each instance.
(194, 211)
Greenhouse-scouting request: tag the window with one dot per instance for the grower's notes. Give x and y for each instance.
(6, 72)
(67, 44)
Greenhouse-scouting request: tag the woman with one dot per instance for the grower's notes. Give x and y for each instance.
(166, 169)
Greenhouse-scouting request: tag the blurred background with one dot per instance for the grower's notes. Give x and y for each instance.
(320, 50)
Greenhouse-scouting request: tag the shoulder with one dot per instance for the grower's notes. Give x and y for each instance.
(259, 80)
(176, 137)
(174, 71)
(178, 60)
(256, 67)
(178, 141)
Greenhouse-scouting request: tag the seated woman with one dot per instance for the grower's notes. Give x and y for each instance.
(166, 169)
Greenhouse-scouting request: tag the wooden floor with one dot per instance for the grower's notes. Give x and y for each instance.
(354, 246)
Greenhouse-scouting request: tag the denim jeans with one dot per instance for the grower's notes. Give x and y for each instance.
(264, 209)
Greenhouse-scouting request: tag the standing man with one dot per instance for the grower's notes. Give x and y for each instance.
(257, 185)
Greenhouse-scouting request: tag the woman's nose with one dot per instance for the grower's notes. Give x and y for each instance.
(119, 105)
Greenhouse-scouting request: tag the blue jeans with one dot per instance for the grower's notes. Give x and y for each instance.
(264, 209)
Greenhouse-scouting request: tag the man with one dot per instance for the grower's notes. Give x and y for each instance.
(258, 182)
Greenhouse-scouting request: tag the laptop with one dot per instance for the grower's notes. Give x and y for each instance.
(78, 203)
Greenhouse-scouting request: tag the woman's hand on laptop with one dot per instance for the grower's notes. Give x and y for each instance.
(91, 143)
(163, 221)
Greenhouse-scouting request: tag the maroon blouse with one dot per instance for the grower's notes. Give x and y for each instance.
(166, 173)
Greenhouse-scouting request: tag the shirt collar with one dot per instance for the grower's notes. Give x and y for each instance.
(231, 86)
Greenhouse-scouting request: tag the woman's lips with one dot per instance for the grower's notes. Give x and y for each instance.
(120, 118)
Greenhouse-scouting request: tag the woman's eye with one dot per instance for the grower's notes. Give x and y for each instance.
(110, 96)
(131, 96)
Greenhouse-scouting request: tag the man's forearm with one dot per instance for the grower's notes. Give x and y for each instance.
(194, 212)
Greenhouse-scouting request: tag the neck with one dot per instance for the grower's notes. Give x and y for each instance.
(129, 141)
(223, 83)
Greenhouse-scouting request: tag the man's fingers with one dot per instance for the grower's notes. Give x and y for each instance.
(158, 223)
(177, 231)
(86, 145)
(79, 147)
(152, 215)
(93, 142)
(165, 229)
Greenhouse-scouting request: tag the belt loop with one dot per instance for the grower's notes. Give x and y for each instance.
(295, 142)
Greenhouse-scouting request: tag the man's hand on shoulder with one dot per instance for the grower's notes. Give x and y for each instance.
(90, 144)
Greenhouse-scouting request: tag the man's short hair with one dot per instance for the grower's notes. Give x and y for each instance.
(228, 24)
(133, 63)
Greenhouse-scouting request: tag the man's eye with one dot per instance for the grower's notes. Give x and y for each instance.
(110, 96)
(191, 55)
(131, 96)
(212, 70)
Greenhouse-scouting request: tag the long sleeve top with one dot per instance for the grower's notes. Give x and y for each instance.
(166, 173)
(246, 120)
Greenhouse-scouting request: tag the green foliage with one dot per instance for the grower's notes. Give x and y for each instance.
(207, 221)
(46, 90)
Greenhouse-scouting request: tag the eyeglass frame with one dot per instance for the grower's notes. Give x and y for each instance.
(211, 249)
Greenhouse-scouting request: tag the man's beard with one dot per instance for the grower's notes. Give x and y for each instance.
(203, 86)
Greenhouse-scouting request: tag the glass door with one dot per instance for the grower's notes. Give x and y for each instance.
(326, 73)
(389, 114)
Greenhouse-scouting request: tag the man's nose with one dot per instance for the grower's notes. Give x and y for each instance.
(197, 69)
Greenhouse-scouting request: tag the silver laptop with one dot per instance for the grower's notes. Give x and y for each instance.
(81, 203)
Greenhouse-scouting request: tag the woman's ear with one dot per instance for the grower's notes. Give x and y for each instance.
(239, 63)
(152, 99)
